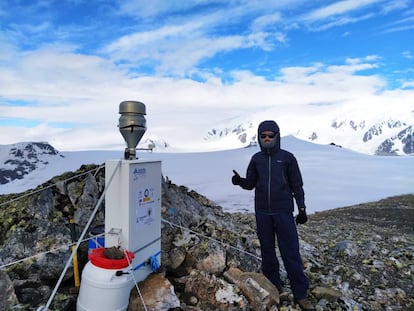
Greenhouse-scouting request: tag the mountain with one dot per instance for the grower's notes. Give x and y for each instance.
(20, 159)
(404, 141)
(371, 128)
(378, 137)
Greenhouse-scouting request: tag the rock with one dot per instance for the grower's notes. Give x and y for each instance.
(215, 261)
(260, 292)
(157, 293)
(344, 248)
(327, 293)
(7, 296)
(213, 291)
(113, 253)
(43, 205)
(176, 258)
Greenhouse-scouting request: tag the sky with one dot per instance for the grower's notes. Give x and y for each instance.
(333, 177)
(66, 65)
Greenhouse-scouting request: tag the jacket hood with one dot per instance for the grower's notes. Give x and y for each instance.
(269, 125)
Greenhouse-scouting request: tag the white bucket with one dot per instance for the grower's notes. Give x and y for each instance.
(102, 290)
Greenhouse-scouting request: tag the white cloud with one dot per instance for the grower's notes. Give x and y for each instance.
(351, 12)
(264, 21)
(85, 91)
(338, 8)
(407, 54)
(142, 39)
(33, 28)
(178, 43)
(408, 84)
(390, 6)
(154, 8)
(339, 21)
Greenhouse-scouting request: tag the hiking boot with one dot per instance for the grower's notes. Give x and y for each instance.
(305, 305)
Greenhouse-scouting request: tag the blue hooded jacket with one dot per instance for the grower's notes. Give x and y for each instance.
(275, 175)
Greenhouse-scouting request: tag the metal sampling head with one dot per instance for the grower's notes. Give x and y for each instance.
(132, 125)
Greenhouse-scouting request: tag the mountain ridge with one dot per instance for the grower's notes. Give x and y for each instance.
(22, 158)
(379, 137)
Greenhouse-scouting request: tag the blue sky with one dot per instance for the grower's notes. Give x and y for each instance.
(66, 65)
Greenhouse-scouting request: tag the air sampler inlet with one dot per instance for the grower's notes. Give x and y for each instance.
(132, 125)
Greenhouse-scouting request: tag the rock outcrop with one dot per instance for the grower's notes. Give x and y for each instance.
(357, 258)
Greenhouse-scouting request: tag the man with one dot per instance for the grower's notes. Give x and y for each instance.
(275, 175)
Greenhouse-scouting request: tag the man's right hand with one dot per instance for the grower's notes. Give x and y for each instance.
(236, 178)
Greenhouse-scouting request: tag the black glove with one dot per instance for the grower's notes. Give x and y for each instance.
(301, 218)
(236, 179)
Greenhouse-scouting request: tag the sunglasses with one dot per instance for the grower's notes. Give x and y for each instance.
(267, 135)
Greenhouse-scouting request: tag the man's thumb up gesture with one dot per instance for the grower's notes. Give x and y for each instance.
(236, 178)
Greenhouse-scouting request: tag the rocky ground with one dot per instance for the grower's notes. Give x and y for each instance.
(357, 258)
(366, 251)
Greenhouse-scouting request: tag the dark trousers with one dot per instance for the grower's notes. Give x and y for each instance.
(283, 227)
